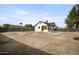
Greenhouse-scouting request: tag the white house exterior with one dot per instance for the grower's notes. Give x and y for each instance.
(45, 26)
(41, 27)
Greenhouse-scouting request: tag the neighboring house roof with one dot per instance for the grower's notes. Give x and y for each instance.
(52, 24)
(41, 22)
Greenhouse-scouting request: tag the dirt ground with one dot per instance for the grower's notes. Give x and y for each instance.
(39, 43)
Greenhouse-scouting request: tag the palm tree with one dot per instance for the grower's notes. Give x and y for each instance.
(20, 23)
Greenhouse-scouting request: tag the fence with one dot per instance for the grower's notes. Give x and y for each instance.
(69, 30)
(15, 29)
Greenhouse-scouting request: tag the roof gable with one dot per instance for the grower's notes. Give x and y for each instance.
(40, 22)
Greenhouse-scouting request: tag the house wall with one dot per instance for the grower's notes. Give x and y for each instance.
(52, 27)
(40, 29)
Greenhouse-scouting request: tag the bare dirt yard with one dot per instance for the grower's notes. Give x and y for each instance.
(39, 43)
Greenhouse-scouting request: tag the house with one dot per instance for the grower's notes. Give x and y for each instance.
(52, 26)
(42, 26)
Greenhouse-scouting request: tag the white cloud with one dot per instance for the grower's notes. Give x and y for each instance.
(58, 17)
(52, 17)
(15, 14)
(21, 12)
(3, 18)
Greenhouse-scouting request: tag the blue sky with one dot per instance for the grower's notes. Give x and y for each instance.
(33, 13)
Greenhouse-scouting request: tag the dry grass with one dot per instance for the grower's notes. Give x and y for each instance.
(49, 42)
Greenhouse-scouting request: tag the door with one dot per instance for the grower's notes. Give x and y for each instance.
(44, 28)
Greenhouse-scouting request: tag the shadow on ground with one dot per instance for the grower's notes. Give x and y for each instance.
(9, 46)
(76, 38)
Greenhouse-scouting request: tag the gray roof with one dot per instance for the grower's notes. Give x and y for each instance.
(41, 22)
(51, 23)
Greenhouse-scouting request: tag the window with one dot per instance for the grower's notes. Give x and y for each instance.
(39, 27)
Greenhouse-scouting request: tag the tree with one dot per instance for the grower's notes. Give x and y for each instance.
(29, 27)
(20, 23)
(72, 19)
(7, 25)
(0, 26)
